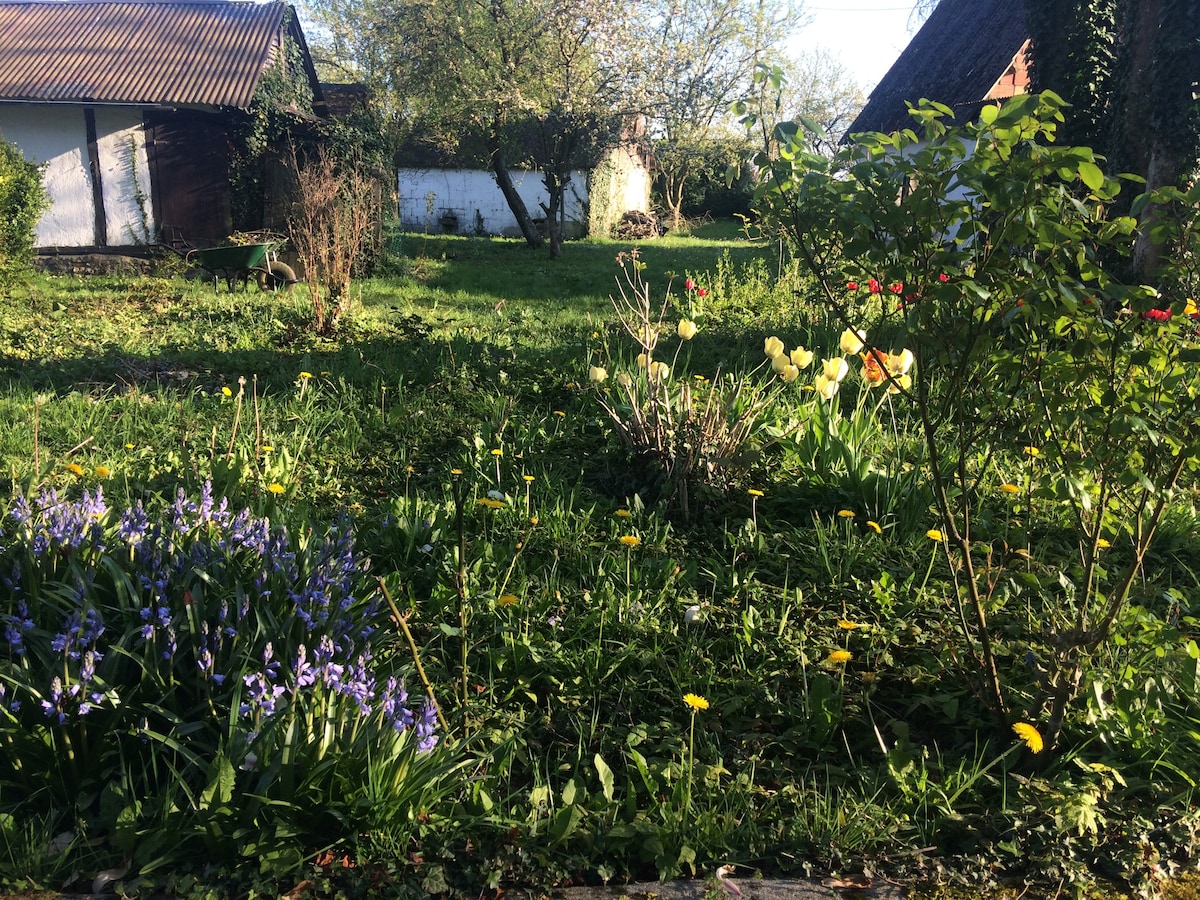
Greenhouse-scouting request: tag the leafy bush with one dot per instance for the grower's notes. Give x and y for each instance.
(1041, 380)
(22, 201)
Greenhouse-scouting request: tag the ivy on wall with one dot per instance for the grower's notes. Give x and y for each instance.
(1130, 70)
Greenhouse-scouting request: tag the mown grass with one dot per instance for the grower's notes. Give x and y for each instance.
(472, 355)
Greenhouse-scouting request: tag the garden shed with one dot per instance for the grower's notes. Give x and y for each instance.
(966, 54)
(136, 109)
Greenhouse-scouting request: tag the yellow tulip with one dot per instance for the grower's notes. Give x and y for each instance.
(772, 347)
(852, 341)
(835, 369)
(899, 363)
(687, 329)
(826, 387)
(597, 374)
(802, 358)
(780, 363)
(790, 374)
(901, 383)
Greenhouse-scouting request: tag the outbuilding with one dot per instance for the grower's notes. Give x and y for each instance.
(138, 111)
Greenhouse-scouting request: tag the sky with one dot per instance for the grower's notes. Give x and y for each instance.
(866, 36)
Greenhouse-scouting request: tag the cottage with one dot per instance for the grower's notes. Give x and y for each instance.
(966, 54)
(134, 109)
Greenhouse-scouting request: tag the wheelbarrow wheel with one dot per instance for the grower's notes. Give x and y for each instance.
(278, 276)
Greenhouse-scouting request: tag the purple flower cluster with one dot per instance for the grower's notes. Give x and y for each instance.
(204, 593)
(57, 525)
(74, 698)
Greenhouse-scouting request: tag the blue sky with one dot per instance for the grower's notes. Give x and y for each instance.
(866, 36)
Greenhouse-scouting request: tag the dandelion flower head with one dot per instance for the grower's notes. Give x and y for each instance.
(1030, 735)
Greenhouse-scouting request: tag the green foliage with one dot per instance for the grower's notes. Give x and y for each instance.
(983, 247)
(841, 732)
(22, 202)
(191, 680)
(706, 192)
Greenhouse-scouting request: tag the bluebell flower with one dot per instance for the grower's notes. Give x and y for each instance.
(394, 706)
(426, 730)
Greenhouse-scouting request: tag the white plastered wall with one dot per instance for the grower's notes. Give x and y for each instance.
(56, 137)
(125, 174)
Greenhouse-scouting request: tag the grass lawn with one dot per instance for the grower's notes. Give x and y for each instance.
(562, 605)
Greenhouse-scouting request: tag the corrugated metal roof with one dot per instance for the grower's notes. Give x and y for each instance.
(197, 54)
(955, 58)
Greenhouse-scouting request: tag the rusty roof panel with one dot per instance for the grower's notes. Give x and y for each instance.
(198, 54)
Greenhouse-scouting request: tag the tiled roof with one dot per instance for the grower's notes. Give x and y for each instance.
(957, 56)
(194, 54)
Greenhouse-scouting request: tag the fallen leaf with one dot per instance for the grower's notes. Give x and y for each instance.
(298, 891)
(103, 879)
(60, 842)
(849, 883)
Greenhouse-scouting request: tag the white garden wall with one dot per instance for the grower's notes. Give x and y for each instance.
(426, 195)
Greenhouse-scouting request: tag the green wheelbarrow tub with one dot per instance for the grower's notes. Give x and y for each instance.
(231, 263)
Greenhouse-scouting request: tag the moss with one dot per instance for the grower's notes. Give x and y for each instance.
(1185, 887)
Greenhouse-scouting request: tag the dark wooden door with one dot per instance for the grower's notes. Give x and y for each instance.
(189, 162)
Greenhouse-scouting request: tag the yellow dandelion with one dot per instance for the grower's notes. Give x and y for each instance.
(1103, 543)
(498, 452)
(754, 492)
(227, 392)
(874, 526)
(103, 471)
(129, 446)
(276, 488)
(1033, 451)
(75, 469)
(456, 472)
(508, 600)
(845, 514)
(695, 701)
(1030, 735)
(1007, 488)
(267, 448)
(630, 540)
(559, 413)
(622, 514)
(490, 503)
(934, 535)
(533, 520)
(307, 375)
(837, 657)
(409, 469)
(847, 625)
(529, 479)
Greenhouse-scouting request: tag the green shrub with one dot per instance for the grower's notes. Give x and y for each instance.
(22, 201)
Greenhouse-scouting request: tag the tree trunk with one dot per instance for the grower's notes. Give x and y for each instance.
(1161, 122)
(509, 190)
(556, 189)
(672, 192)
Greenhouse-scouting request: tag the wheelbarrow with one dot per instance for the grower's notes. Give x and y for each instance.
(238, 262)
